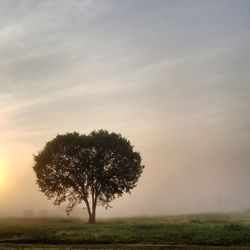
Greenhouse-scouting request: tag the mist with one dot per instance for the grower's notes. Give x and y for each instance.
(172, 77)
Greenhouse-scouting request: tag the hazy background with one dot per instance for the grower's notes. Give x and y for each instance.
(172, 76)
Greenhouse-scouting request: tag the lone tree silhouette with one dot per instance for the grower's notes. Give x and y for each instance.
(94, 169)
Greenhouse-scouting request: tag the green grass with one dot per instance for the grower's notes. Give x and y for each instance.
(202, 230)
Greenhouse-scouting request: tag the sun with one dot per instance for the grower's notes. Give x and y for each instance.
(2, 173)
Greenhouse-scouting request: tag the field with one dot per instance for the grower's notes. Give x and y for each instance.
(173, 232)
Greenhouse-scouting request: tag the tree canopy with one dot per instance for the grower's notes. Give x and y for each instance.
(94, 169)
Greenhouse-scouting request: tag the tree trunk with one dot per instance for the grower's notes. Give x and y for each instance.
(92, 219)
(92, 214)
(91, 209)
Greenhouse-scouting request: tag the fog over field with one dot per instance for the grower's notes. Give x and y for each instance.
(171, 76)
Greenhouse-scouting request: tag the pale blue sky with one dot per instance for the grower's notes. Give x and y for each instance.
(172, 76)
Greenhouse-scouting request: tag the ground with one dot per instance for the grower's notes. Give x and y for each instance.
(203, 231)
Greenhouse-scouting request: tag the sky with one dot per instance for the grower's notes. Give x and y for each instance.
(171, 76)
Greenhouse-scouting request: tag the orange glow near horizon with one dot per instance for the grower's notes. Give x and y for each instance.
(2, 172)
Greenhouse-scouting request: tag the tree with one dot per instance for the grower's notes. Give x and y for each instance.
(94, 169)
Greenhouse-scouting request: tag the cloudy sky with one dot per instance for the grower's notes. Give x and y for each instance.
(172, 76)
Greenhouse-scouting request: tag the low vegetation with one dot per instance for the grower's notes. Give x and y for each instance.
(202, 230)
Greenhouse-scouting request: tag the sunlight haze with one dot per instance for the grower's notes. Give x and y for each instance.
(171, 76)
(2, 174)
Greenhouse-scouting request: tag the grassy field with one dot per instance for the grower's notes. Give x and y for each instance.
(192, 230)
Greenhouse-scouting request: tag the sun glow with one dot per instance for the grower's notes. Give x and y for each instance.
(2, 173)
